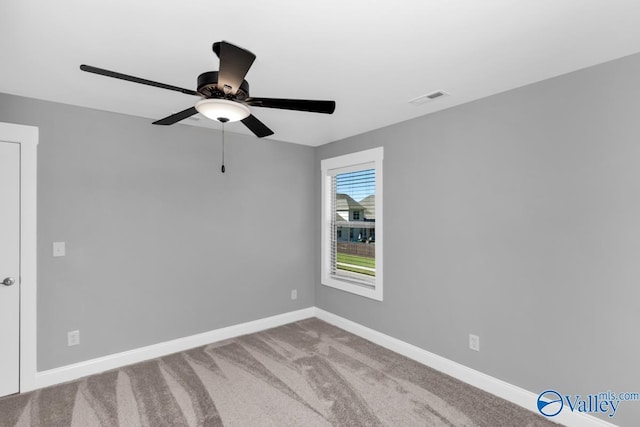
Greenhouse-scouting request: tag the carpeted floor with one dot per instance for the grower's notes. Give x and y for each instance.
(307, 373)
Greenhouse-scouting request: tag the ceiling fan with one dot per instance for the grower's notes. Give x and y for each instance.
(225, 93)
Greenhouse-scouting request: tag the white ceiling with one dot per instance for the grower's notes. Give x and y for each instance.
(371, 57)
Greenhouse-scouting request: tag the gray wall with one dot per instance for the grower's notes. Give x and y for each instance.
(160, 244)
(516, 218)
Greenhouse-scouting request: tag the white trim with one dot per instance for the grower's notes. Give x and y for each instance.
(502, 389)
(351, 162)
(113, 361)
(27, 137)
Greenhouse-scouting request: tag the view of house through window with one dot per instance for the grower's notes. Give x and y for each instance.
(354, 224)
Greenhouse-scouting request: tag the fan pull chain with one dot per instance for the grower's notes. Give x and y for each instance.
(222, 169)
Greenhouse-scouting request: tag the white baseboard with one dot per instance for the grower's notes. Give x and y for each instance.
(502, 389)
(113, 361)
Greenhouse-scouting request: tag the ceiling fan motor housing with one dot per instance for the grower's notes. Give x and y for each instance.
(208, 87)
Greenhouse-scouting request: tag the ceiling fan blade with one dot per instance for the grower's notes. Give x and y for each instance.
(234, 65)
(256, 126)
(326, 107)
(175, 118)
(103, 72)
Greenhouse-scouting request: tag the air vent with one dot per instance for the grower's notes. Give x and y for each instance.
(428, 97)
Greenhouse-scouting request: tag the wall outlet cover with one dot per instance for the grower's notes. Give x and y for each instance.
(73, 338)
(474, 342)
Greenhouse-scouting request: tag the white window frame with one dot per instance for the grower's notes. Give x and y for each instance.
(367, 159)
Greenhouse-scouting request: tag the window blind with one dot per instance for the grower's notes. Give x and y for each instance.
(352, 249)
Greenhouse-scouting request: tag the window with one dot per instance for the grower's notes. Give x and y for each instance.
(352, 223)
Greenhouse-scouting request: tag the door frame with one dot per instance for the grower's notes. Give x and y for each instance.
(27, 138)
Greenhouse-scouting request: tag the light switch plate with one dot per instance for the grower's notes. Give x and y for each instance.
(59, 249)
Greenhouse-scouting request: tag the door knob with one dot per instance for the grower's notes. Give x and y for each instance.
(9, 281)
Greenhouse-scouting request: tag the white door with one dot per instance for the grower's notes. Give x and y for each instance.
(9, 267)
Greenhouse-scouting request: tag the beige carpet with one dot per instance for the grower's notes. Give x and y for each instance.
(307, 373)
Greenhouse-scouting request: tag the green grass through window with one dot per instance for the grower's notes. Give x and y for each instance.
(352, 262)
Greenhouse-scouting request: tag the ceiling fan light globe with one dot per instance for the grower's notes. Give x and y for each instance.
(217, 109)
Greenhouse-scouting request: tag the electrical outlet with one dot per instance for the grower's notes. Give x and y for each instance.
(73, 338)
(294, 294)
(474, 342)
